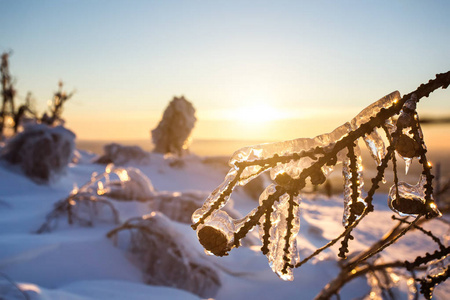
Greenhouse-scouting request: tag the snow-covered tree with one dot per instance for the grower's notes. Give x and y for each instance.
(172, 135)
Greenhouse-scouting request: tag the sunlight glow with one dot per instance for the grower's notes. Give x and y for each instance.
(257, 113)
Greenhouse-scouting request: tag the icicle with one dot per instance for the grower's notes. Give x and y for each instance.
(277, 256)
(438, 267)
(408, 162)
(376, 145)
(406, 146)
(347, 193)
(348, 182)
(411, 199)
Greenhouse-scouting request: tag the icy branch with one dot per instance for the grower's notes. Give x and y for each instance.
(293, 163)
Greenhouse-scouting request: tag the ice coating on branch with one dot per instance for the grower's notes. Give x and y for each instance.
(294, 167)
(283, 210)
(371, 110)
(215, 195)
(217, 234)
(406, 145)
(390, 126)
(132, 184)
(381, 281)
(438, 267)
(249, 173)
(270, 190)
(410, 199)
(270, 150)
(278, 210)
(376, 145)
(348, 187)
(407, 115)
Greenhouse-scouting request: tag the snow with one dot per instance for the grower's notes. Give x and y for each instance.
(75, 262)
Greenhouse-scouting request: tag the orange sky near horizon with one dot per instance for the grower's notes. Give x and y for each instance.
(437, 137)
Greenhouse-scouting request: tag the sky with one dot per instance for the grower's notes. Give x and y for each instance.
(261, 70)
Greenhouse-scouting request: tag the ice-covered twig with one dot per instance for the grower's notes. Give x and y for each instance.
(426, 232)
(427, 284)
(356, 267)
(347, 275)
(293, 163)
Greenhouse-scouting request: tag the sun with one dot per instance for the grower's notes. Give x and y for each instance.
(258, 113)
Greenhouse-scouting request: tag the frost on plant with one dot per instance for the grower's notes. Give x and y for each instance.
(158, 249)
(121, 155)
(40, 151)
(389, 127)
(172, 135)
(89, 203)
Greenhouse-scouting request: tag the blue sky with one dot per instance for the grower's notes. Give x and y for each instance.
(302, 60)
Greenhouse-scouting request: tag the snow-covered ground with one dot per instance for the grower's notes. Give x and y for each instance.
(75, 262)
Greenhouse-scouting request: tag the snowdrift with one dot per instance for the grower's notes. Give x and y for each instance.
(78, 261)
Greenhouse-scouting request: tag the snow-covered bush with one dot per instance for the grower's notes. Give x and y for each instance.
(41, 152)
(164, 256)
(120, 155)
(392, 120)
(132, 184)
(177, 206)
(90, 203)
(173, 131)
